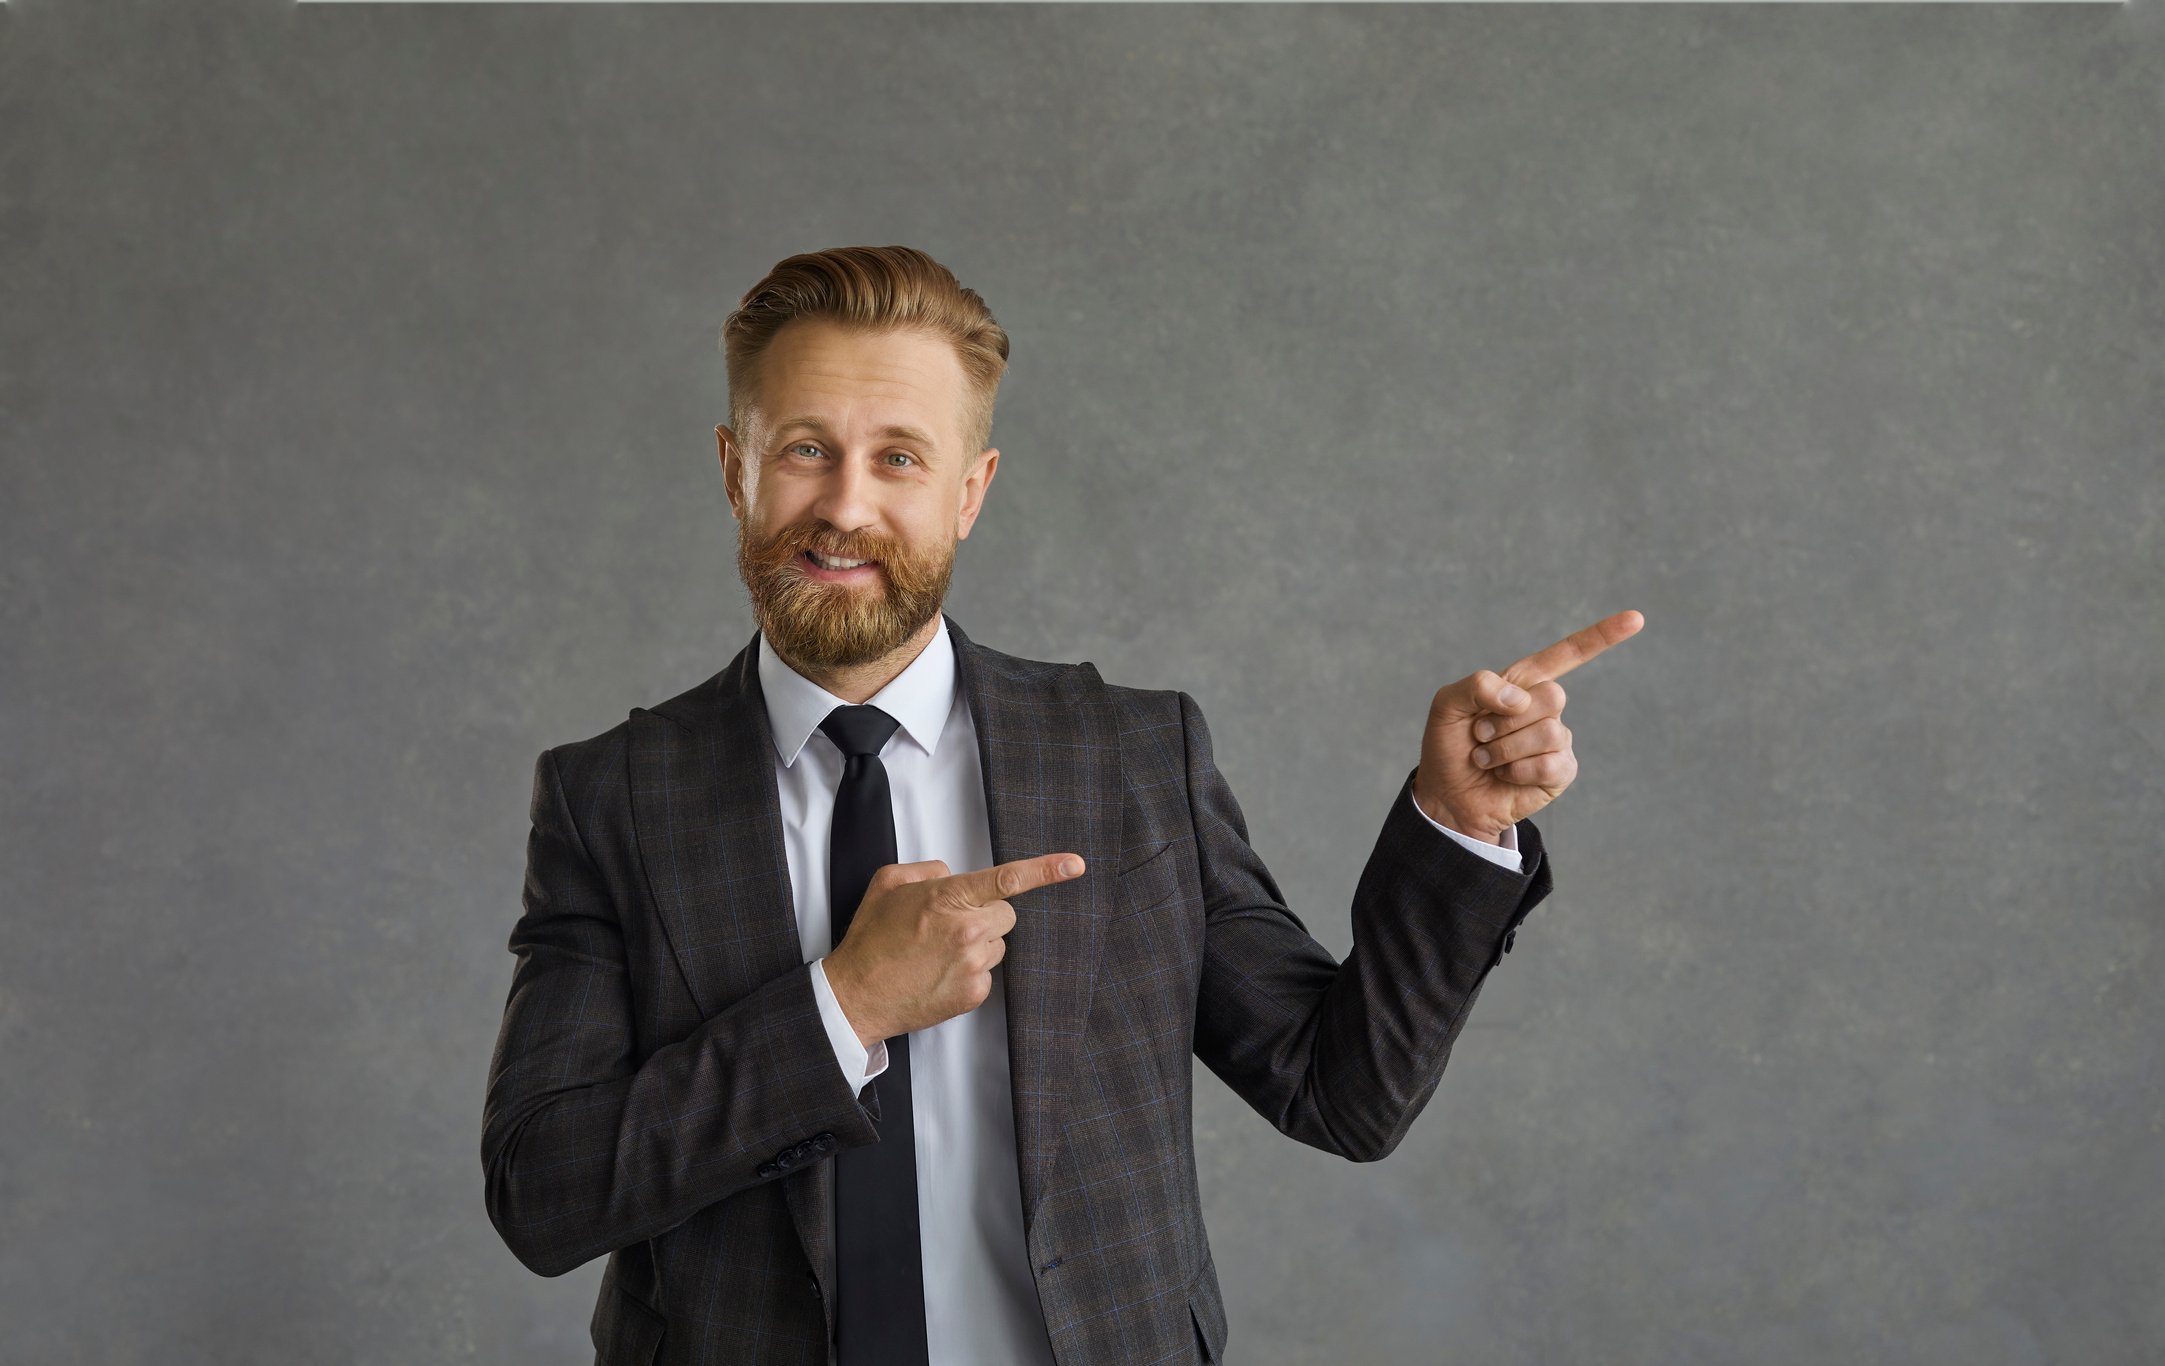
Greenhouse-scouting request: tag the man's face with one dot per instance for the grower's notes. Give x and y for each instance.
(856, 453)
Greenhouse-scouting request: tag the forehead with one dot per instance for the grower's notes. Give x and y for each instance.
(862, 383)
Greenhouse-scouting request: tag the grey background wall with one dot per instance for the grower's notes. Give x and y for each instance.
(357, 372)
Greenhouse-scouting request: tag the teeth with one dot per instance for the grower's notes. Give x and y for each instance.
(825, 563)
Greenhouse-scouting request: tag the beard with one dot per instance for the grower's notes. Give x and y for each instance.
(815, 624)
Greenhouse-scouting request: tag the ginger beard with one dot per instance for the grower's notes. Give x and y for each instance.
(819, 624)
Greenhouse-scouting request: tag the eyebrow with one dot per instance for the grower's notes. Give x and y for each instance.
(814, 424)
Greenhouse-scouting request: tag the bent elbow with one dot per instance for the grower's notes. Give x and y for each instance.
(1375, 1150)
(1356, 1134)
(511, 1214)
(539, 1254)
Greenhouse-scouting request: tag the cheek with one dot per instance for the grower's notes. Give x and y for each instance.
(778, 509)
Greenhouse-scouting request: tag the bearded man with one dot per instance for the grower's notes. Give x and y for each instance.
(857, 986)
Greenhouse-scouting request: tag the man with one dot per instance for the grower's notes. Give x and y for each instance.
(959, 1130)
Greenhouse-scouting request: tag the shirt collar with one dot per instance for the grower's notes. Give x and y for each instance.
(920, 697)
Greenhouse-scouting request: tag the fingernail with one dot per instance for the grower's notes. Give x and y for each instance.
(1513, 696)
(1480, 756)
(1484, 730)
(1071, 866)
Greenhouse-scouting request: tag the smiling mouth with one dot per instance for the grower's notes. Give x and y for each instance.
(834, 565)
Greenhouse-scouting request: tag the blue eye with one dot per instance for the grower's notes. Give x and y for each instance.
(809, 446)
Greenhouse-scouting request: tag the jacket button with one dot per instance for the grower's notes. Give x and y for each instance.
(768, 1169)
(1510, 939)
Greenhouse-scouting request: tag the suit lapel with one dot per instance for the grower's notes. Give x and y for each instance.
(709, 817)
(1050, 750)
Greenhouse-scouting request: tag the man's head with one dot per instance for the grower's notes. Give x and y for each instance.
(861, 390)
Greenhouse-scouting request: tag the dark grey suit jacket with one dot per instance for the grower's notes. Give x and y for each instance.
(663, 1092)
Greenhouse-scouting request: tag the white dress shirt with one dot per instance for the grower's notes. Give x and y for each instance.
(981, 1305)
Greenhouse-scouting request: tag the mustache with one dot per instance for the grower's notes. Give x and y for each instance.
(787, 545)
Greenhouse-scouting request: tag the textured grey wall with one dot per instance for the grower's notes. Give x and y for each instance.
(357, 371)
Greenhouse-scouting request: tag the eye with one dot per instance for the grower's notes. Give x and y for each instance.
(905, 455)
(804, 446)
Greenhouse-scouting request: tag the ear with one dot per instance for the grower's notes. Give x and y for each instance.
(732, 458)
(974, 485)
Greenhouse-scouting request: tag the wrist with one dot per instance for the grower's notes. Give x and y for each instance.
(1444, 816)
(843, 983)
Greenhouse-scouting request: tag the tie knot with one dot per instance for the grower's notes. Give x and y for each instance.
(859, 730)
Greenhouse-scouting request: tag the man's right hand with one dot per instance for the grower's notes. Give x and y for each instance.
(923, 943)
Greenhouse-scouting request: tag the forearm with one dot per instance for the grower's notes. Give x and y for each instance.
(1343, 1056)
(1429, 919)
(575, 1172)
(587, 1145)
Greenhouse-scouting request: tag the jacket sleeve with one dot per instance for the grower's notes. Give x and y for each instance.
(1344, 1056)
(587, 1147)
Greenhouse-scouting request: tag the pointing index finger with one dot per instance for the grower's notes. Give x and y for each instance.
(1575, 649)
(1004, 880)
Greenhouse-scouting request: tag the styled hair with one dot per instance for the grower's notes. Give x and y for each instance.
(869, 289)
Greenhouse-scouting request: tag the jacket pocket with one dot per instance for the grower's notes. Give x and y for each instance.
(1151, 883)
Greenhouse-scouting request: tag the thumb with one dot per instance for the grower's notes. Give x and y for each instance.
(1477, 693)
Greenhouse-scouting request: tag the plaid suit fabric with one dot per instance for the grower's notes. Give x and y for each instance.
(661, 1047)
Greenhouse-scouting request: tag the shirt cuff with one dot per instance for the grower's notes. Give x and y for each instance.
(858, 1064)
(1505, 855)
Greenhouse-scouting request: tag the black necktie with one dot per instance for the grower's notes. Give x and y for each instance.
(879, 1269)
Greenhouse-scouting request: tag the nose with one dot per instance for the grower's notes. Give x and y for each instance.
(847, 499)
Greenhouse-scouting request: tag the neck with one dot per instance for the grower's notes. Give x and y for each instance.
(856, 683)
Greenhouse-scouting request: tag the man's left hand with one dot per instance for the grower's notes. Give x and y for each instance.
(1496, 749)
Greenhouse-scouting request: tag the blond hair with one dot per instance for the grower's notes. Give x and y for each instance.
(869, 289)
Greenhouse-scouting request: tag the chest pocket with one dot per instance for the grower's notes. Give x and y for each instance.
(1151, 883)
